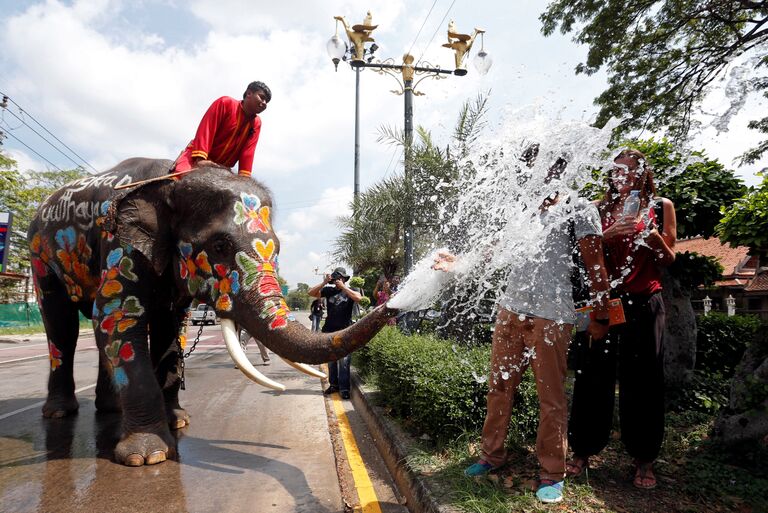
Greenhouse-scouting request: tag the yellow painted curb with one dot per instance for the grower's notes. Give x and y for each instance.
(365, 491)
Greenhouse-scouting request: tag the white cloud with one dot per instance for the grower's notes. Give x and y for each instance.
(309, 233)
(25, 162)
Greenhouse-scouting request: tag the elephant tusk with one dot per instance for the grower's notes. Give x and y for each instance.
(306, 369)
(242, 362)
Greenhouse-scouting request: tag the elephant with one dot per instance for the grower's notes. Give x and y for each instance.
(133, 260)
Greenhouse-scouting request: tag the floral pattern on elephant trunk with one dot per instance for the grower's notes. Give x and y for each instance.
(263, 274)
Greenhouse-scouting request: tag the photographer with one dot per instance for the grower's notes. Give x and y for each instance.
(340, 300)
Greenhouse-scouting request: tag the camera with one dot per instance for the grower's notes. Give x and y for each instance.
(336, 276)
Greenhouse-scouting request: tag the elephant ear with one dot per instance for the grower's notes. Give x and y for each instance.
(143, 221)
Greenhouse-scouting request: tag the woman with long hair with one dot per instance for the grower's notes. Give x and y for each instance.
(638, 243)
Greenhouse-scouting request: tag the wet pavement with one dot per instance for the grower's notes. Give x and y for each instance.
(247, 449)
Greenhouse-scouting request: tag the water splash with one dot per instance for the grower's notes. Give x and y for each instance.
(493, 225)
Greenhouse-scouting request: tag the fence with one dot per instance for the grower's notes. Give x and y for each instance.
(19, 314)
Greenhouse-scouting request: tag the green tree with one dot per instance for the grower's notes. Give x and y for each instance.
(662, 55)
(699, 191)
(372, 237)
(21, 193)
(745, 223)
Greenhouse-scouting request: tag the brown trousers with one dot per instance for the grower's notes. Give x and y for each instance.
(542, 344)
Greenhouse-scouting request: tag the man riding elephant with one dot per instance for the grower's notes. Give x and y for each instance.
(228, 132)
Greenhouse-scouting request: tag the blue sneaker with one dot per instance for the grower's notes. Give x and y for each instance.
(550, 491)
(480, 468)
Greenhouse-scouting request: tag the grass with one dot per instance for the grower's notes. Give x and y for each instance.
(694, 476)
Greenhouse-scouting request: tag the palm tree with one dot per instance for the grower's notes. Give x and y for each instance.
(372, 237)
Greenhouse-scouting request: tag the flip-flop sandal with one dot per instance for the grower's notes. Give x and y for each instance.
(576, 467)
(644, 477)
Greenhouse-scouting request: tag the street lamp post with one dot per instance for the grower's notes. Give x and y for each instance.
(358, 36)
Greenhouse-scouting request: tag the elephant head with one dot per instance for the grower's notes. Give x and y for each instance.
(214, 232)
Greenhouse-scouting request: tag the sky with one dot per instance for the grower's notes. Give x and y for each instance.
(115, 79)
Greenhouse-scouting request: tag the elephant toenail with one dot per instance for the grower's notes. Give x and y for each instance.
(156, 457)
(134, 460)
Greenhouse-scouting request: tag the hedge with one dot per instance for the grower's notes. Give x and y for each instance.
(720, 344)
(439, 387)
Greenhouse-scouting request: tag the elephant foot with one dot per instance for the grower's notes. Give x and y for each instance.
(137, 449)
(58, 407)
(177, 417)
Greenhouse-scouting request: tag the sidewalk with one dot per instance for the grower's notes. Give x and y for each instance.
(33, 337)
(394, 447)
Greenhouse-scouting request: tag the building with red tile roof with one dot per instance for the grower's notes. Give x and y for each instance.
(742, 279)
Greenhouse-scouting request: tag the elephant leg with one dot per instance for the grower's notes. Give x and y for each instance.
(121, 314)
(60, 317)
(146, 438)
(165, 329)
(107, 398)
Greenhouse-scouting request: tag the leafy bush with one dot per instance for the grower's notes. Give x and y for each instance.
(721, 341)
(720, 345)
(438, 387)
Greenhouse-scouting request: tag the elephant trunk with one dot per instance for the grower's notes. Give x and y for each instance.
(299, 344)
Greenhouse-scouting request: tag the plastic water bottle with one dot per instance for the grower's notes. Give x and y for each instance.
(631, 205)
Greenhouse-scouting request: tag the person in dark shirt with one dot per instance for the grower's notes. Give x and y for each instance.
(340, 300)
(316, 313)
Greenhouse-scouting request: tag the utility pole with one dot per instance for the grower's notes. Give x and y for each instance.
(356, 53)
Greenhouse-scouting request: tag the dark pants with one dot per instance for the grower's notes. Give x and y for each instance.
(637, 347)
(338, 373)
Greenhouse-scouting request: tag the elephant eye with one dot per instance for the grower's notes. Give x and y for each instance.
(222, 246)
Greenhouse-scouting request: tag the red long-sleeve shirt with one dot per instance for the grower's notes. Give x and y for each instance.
(225, 136)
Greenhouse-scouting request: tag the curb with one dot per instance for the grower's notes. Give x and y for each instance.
(392, 444)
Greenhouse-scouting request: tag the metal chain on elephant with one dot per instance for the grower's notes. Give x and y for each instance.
(183, 355)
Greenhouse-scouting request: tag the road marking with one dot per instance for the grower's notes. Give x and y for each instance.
(41, 356)
(18, 346)
(37, 405)
(22, 345)
(365, 491)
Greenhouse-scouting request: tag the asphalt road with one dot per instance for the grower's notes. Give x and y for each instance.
(248, 449)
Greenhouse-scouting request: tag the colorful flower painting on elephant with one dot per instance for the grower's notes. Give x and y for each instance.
(119, 265)
(192, 269)
(118, 352)
(119, 315)
(228, 283)
(250, 210)
(74, 254)
(264, 271)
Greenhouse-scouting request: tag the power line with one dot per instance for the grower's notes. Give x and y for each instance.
(422, 26)
(33, 151)
(437, 29)
(42, 137)
(391, 159)
(47, 131)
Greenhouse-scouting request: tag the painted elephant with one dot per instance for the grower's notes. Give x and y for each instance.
(133, 260)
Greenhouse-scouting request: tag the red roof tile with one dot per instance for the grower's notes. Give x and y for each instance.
(730, 258)
(758, 284)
